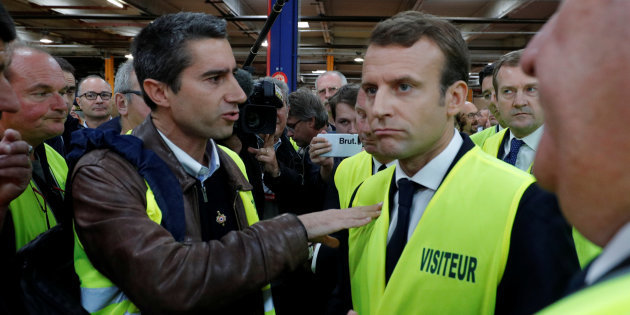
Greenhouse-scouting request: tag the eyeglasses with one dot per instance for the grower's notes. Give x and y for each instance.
(291, 127)
(139, 93)
(331, 89)
(105, 96)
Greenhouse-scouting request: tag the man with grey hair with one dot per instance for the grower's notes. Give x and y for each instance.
(326, 86)
(297, 185)
(128, 99)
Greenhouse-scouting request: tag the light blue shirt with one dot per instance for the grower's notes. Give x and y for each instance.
(190, 165)
(527, 152)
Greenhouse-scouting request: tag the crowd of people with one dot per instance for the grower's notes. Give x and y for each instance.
(513, 205)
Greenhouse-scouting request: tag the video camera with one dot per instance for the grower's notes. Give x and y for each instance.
(258, 113)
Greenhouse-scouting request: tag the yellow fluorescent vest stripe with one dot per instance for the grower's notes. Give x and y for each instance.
(447, 266)
(29, 220)
(607, 297)
(351, 172)
(100, 296)
(586, 250)
(492, 144)
(480, 137)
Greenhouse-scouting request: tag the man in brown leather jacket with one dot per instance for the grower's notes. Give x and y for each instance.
(185, 67)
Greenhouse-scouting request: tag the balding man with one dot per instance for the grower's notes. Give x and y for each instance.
(467, 118)
(580, 58)
(39, 85)
(128, 99)
(326, 86)
(93, 96)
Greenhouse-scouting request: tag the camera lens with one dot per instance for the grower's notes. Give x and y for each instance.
(252, 120)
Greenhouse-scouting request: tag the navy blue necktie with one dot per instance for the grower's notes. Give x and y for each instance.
(515, 145)
(406, 191)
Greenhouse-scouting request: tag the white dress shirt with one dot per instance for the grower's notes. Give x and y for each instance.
(614, 253)
(430, 177)
(376, 165)
(190, 165)
(527, 152)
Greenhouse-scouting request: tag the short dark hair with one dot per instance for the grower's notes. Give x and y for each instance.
(406, 28)
(7, 28)
(64, 64)
(511, 59)
(486, 71)
(160, 51)
(346, 94)
(305, 105)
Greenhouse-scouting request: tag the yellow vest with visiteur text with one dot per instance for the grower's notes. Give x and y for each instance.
(31, 214)
(454, 261)
(100, 296)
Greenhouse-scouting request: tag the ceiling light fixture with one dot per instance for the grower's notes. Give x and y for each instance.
(303, 25)
(318, 71)
(116, 3)
(129, 56)
(264, 44)
(358, 58)
(45, 39)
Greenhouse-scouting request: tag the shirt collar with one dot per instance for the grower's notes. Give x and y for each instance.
(533, 139)
(190, 165)
(613, 254)
(432, 174)
(378, 164)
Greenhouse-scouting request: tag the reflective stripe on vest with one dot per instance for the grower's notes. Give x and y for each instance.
(480, 138)
(351, 172)
(100, 296)
(448, 265)
(29, 219)
(607, 297)
(492, 144)
(586, 250)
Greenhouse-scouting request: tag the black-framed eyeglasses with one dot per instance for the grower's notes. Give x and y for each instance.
(292, 126)
(105, 96)
(139, 93)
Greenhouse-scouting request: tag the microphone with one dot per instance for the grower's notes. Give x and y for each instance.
(244, 79)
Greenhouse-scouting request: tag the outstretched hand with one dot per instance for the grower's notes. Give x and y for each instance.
(319, 224)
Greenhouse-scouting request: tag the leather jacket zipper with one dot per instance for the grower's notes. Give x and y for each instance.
(236, 211)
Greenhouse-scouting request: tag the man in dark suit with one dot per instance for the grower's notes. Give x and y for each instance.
(581, 60)
(443, 245)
